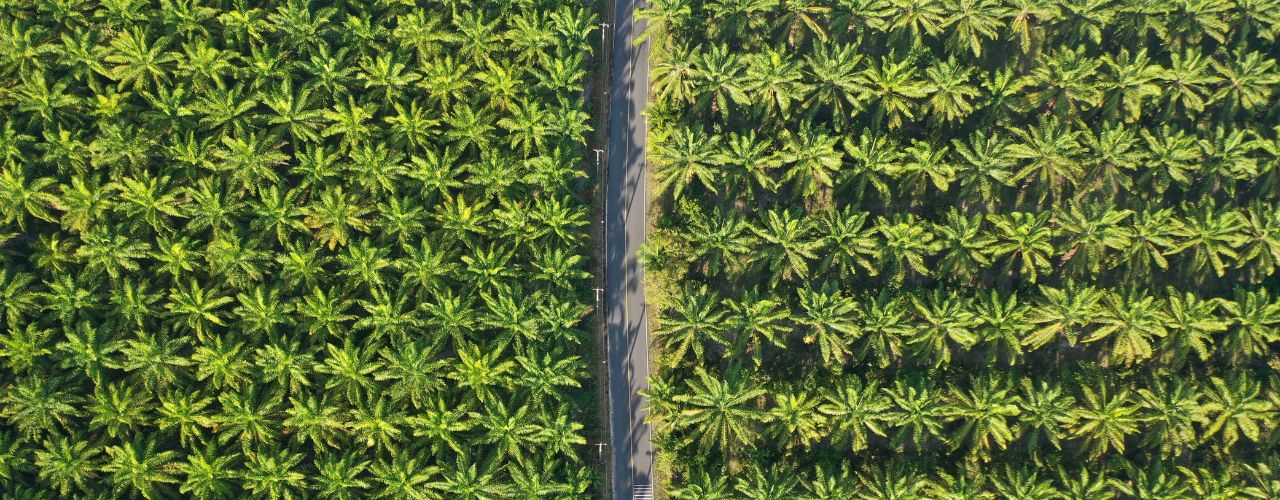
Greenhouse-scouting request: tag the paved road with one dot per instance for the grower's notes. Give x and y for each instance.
(628, 325)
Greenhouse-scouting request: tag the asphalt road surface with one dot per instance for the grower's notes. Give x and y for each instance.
(625, 226)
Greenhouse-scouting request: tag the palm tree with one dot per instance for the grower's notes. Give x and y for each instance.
(701, 485)
(926, 166)
(776, 482)
(1082, 485)
(1249, 80)
(855, 407)
(695, 318)
(795, 420)
(892, 87)
(1001, 325)
(721, 237)
(1261, 249)
(972, 23)
(674, 77)
(688, 156)
(1187, 83)
(754, 319)
(1254, 316)
(403, 477)
(335, 217)
(839, 82)
(831, 485)
(719, 410)
(827, 314)
(918, 415)
(208, 473)
(1150, 236)
(1174, 411)
(850, 244)
(959, 487)
(1092, 231)
(1105, 419)
(983, 412)
(137, 62)
(1211, 234)
(136, 467)
(1193, 325)
(747, 161)
(892, 480)
(965, 245)
(788, 244)
(945, 317)
(1048, 413)
(1049, 150)
(810, 156)
(720, 79)
(913, 19)
(885, 325)
(1149, 482)
(802, 17)
(1130, 80)
(664, 18)
(1131, 319)
(873, 159)
(1235, 408)
(509, 432)
(775, 81)
(273, 474)
(68, 463)
(339, 476)
(950, 89)
(984, 168)
(907, 244)
(1024, 238)
(1022, 482)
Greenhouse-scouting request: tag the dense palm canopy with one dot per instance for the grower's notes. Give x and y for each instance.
(294, 249)
(967, 248)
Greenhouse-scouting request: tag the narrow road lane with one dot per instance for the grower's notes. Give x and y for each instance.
(625, 197)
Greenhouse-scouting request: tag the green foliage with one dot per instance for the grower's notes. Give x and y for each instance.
(967, 248)
(294, 249)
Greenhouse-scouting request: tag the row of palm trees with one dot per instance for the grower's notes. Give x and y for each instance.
(971, 329)
(978, 418)
(1039, 166)
(1203, 244)
(295, 250)
(898, 478)
(963, 27)
(839, 84)
(894, 233)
